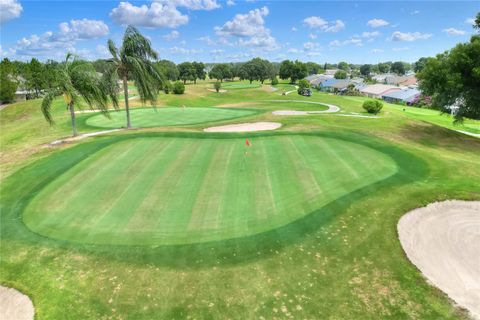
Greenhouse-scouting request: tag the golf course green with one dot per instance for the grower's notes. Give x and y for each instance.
(167, 116)
(188, 190)
(241, 85)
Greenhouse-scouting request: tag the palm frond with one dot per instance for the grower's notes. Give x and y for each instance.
(47, 105)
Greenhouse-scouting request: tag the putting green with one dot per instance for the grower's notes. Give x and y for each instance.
(173, 190)
(240, 85)
(167, 116)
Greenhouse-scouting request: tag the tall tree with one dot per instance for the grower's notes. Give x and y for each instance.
(453, 78)
(35, 77)
(78, 83)
(419, 65)
(187, 72)
(134, 60)
(398, 67)
(383, 67)
(199, 71)
(343, 66)
(169, 69)
(220, 72)
(365, 69)
(340, 74)
(8, 86)
(293, 70)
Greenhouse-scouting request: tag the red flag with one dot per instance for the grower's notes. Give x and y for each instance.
(247, 142)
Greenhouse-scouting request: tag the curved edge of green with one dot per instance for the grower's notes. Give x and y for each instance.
(84, 118)
(22, 186)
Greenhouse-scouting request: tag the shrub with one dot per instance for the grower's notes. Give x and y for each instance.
(217, 85)
(178, 87)
(372, 106)
(167, 87)
(302, 85)
(274, 81)
(340, 74)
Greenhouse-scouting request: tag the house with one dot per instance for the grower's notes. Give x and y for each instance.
(316, 79)
(408, 96)
(409, 81)
(327, 85)
(377, 90)
(330, 72)
(341, 85)
(21, 95)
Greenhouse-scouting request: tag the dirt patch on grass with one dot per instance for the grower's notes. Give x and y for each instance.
(245, 127)
(443, 241)
(15, 305)
(219, 91)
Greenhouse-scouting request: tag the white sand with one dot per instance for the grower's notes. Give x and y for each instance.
(219, 91)
(15, 305)
(476, 135)
(245, 127)
(443, 241)
(82, 136)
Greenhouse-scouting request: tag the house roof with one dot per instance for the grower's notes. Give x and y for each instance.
(329, 82)
(405, 95)
(409, 81)
(379, 89)
(341, 83)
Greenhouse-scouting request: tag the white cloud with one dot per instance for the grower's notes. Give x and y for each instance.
(102, 51)
(315, 22)
(244, 25)
(335, 43)
(375, 23)
(9, 9)
(454, 32)
(369, 35)
(230, 3)
(400, 49)
(310, 45)
(415, 12)
(83, 29)
(312, 36)
(156, 15)
(172, 35)
(192, 4)
(294, 29)
(56, 45)
(470, 21)
(250, 29)
(319, 23)
(217, 52)
(180, 50)
(339, 25)
(355, 40)
(375, 51)
(409, 36)
(293, 50)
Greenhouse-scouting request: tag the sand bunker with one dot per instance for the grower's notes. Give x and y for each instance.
(245, 127)
(15, 305)
(219, 91)
(443, 241)
(331, 108)
(82, 136)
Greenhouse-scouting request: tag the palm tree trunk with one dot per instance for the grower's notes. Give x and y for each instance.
(127, 109)
(74, 120)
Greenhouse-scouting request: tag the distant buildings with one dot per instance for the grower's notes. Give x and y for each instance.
(407, 96)
(377, 90)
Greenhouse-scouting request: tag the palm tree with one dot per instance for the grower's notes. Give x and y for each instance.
(135, 60)
(78, 82)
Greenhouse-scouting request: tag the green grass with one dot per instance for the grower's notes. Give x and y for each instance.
(324, 255)
(241, 85)
(166, 116)
(187, 190)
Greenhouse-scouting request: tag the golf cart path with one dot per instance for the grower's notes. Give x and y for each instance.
(331, 108)
(14, 305)
(476, 135)
(82, 136)
(245, 127)
(443, 241)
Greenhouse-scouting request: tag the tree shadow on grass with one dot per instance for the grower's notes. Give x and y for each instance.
(19, 189)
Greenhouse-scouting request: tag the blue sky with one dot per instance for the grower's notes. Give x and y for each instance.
(234, 30)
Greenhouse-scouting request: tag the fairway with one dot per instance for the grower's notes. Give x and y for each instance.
(167, 116)
(171, 190)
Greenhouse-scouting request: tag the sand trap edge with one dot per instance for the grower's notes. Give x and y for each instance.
(445, 254)
(14, 305)
(245, 127)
